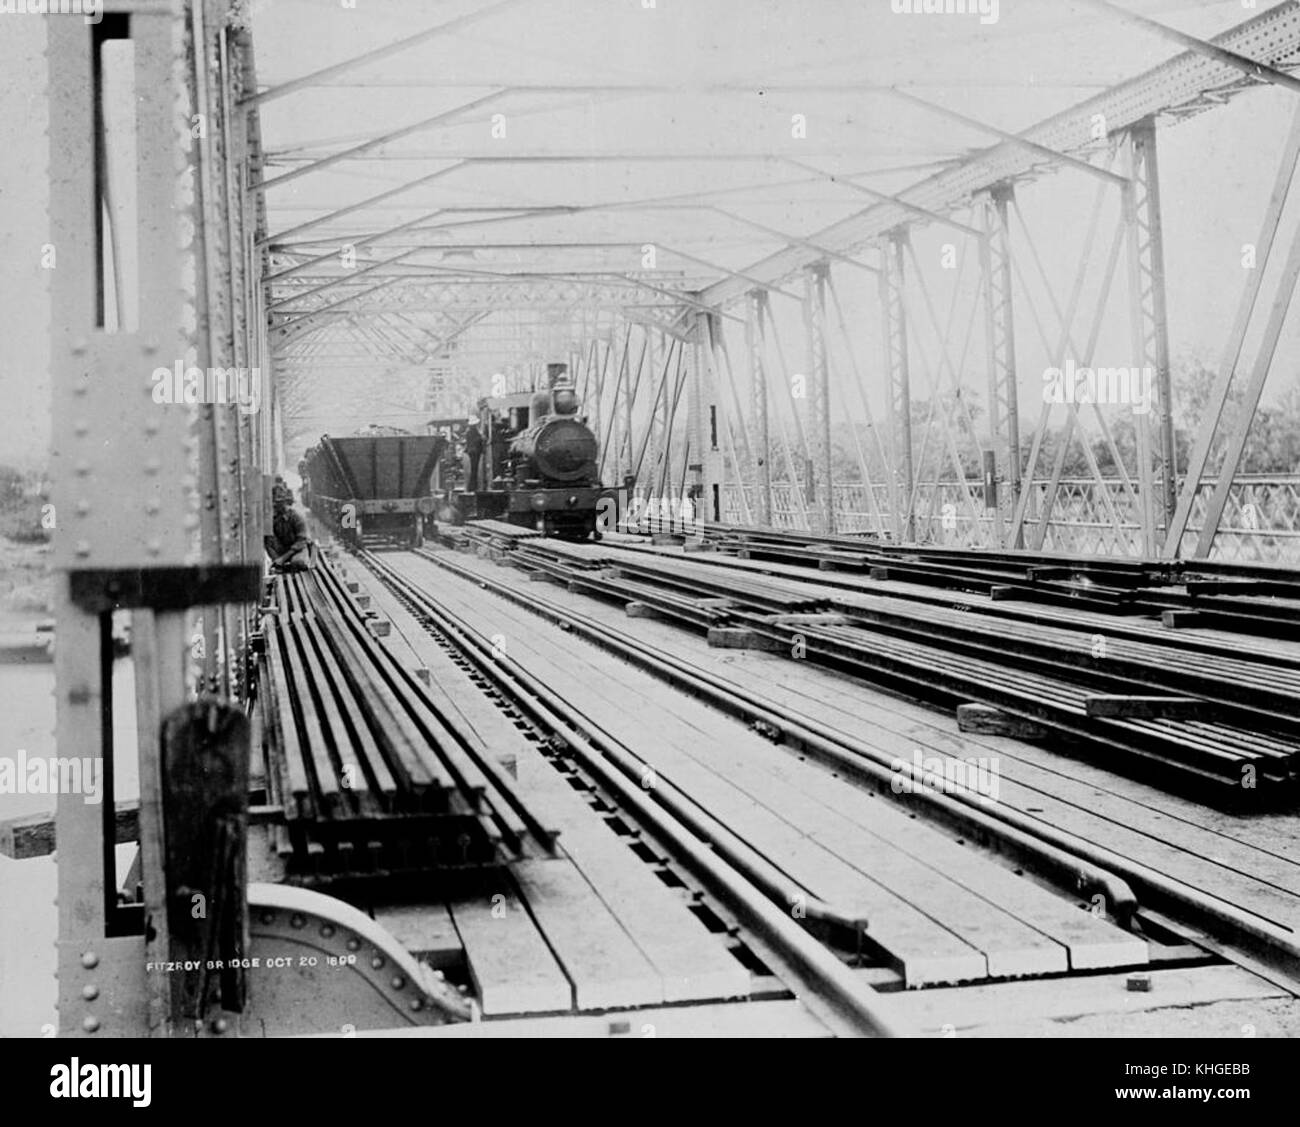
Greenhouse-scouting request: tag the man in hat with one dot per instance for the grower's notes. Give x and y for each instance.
(289, 546)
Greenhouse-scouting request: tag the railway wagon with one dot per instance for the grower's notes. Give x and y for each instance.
(373, 489)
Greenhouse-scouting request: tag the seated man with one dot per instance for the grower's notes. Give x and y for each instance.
(289, 545)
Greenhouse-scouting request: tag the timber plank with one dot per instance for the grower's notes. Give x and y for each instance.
(607, 969)
(426, 930)
(511, 966)
(972, 1007)
(777, 1018)
(693, 964)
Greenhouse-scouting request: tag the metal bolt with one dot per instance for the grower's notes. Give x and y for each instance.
(354, 944)
(377, 962)
(268, 917)
(83, 548)
(297, 920)
(398, 982)
(90, 1023)
(90, 991)
(327, 931)
(417, 1004)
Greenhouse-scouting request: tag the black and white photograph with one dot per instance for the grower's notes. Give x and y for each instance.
(651, 520)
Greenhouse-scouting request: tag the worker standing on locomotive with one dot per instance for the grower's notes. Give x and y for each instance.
(473, 451)
(289, 545)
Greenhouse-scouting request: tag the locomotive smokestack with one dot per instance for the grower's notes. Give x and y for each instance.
(556, 374)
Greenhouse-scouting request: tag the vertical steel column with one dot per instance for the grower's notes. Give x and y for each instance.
(701, 460)
(755, 342)
(123, 469)
(902, 484)
(1000, 339)
(819, 437)
(1147, 293)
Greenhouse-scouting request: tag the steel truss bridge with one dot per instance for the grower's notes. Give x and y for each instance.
(704, 377)
(817, 291)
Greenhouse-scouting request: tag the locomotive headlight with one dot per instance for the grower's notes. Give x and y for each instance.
(539, 500)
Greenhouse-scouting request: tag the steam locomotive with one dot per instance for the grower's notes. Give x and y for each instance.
(538, 464)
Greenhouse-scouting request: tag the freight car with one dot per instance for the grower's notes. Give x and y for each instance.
(539, 464)
(376, 488)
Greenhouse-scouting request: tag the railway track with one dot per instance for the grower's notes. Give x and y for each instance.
(757, 894)
(1135, 893)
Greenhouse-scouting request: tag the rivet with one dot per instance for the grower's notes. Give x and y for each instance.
(83, 507)
(354, 944)
(297, 920)
(417, 1003)
(152, 466)
(377, 962)
(81, 426)
(90, 1023)
(220, 1025)
(398, 982)
(89, 960)
(155, 547)
(327, 931)
(268, 917)
(83, 547)
(81, 469)
(90, 991)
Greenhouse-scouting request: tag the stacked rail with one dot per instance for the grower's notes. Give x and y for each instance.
(372, 778)
(1220, 723)
(1244, 598)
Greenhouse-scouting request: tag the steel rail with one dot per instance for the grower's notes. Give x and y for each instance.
(1021, 835)
(1088, 864)
(767, 876)
(834, 992)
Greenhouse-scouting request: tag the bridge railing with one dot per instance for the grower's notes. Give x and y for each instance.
(1260, 523)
